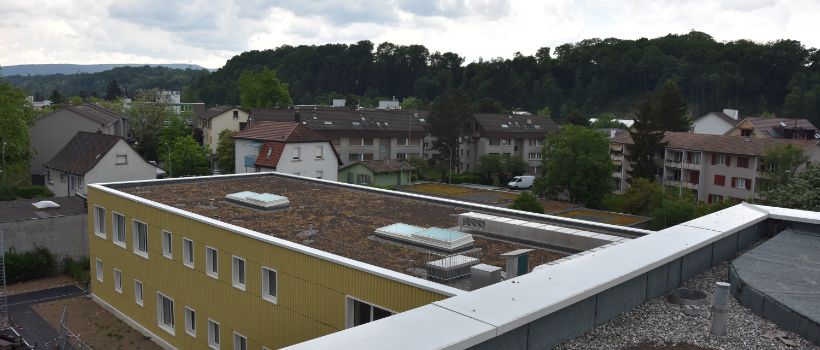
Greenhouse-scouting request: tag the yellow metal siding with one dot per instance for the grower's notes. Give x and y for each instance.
(311, 296)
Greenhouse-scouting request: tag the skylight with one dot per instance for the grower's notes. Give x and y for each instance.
(264, 201)
(356, 123)
(328, 122)
(433, 237)
(505, 126)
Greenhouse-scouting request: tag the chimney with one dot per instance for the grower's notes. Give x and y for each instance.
(732, 113)
(297, 118)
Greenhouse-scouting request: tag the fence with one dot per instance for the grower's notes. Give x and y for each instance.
(444, 268)
(68, 339)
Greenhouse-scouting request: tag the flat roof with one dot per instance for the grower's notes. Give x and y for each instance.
(336, 218)
(23, 209)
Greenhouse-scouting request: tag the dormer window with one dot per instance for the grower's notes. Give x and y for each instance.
(235, 115)
(270, 151)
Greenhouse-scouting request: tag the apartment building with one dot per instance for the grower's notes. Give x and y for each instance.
(712, 167)
(217, 119)
(267, 260)
(506, 135)
(361, 134)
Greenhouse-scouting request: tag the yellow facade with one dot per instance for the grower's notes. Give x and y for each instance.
(311, 294)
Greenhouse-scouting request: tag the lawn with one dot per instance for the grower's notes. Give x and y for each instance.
(462, 193)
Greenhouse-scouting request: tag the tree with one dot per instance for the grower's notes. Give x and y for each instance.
(146, 118)
(225, 153)
(263, 89)
(112, 91)
(445, 120)
(412, 102)
(799, 192)
(607, 121)
(16, 117)
(576, 164)
(576, 117)
(527, 202)
(56, 97)
(781, 162)
(671, 109)
(641, 198)
(187, 158)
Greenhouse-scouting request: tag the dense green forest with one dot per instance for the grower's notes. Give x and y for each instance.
(593, 76)
(130, 79)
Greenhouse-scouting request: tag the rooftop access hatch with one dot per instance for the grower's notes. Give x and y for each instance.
(433, 237)
(264, 201)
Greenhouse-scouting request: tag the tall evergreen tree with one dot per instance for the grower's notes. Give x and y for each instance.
(446, 119)
(112, 91)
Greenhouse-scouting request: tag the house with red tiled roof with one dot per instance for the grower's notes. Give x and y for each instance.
(285, 147)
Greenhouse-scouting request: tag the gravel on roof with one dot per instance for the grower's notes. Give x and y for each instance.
(661, 322)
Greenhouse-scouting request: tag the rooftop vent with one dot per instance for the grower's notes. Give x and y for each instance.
(45, 205)
(782, 124)
(327, 122)
(433, 237)
(264, 201)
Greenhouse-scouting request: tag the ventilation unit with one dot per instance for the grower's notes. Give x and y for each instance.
(433, 237)
(264, 201)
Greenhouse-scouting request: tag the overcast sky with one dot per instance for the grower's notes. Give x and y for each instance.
(210, 32)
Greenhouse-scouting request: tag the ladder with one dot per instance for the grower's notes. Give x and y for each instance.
(4, 309)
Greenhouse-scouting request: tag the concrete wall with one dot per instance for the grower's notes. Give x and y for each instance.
(63, 236)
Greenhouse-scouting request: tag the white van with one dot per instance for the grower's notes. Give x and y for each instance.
(520, 182)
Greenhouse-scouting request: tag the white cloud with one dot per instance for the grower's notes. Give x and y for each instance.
(208, 33)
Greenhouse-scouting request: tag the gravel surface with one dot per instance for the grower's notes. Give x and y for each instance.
(663, 323)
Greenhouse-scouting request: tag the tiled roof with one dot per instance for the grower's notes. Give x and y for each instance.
(22, 209)
(94, 112)
(507, 123)
(280, 131)
(275, 149)
(82, 152)
(342, 121)
(383, 166)
(718, 143)
(771, 126)
(208, 114)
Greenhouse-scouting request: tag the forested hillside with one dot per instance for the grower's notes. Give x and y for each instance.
(64, 68)
(595, 75)
(130, 79)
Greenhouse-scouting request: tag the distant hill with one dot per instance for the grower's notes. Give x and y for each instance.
(47, 69)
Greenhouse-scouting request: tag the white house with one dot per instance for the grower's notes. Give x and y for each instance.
(214, 120)
(286, 148)
(715, 123)
(95, 157)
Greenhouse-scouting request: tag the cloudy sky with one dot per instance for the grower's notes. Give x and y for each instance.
(210, 32)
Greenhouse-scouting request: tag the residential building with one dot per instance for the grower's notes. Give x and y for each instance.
(361, 134)
(59, 226)
(267, 260)
(506, 135)
(91, 157)
(285, 147)
(712, 167)
(214, 120)
(781, 128)
(377, 172)
(52, 131)
(715, 123)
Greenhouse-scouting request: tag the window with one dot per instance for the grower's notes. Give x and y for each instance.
(235, 115)
(99, 270)
(62, 177)
(742, 162)
(122, 159)
(188, 252)
(99, 221)
(141, 239)
(719, 159)
(495, 142)
(320, 174)
(367, 141)
(720, 180)
(213, 334)
(138, 292)
(296, 153)
(48, 176)
(534, 156)
(118, 228)
(401, 155)
(239, 342)
(238, 272)
(746, 132)
(715, 198)
(320, 152)
(415, 142)
(535, 142)
(212, 262)
(368, 156)
(401, 141)
(741, 183)
(269, 284)
(354, 156)
(242, 125)
(270, 151)
(363, 179)
(118, 281)
(359, 313)
(165, 313)
(167, 248)
(190, 321)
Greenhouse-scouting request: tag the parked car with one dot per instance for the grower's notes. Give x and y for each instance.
(521, 182)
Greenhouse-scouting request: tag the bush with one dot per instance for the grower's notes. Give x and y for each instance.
(30, 265)
(7, 194)
(79, 269)
(528, 202)
(466, 178)
(29, 192)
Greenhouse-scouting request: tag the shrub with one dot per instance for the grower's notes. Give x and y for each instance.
(466, 178)
(6, 194)
(26, 266)
(29, 192)
(78, 269)
(528, 202)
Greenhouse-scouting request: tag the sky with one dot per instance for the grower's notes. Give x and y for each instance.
(208, 33)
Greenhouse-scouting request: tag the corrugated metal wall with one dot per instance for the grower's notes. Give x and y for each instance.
(311, 291)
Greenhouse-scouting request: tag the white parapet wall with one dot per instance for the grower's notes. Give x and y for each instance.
(535, 232)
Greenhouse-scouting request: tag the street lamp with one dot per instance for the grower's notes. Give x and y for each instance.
(170, 164)
(450, 167)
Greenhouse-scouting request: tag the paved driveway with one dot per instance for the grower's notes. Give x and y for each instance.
(34, 329)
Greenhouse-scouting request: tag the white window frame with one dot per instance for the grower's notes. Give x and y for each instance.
(115, 229)
(349, 305)
(99, 228)
(266, 293)
(239, 278)
(139, 293)
(740, 183)
(124, 159)
(238, 340)
(214, 338)
(209, 262)
(161, 311)
(118, 281)
(135, 232)
(320, 152)
(296, 153)
(720, 159)
(188, 254)
(98, 270)
(190, 321)
(167, 244)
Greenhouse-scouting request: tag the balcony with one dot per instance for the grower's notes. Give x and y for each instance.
(674, 163)
(691, 165)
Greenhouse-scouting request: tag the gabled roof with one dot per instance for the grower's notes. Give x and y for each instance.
(719, 143)
(280, 131)
(336, 122)
(494, 124)
(207, 114)
(82, 152)
(94, 112)
(722, 116)
(383, 166)
(771, 126)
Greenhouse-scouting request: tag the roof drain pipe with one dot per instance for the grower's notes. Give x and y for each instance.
(720, 311)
